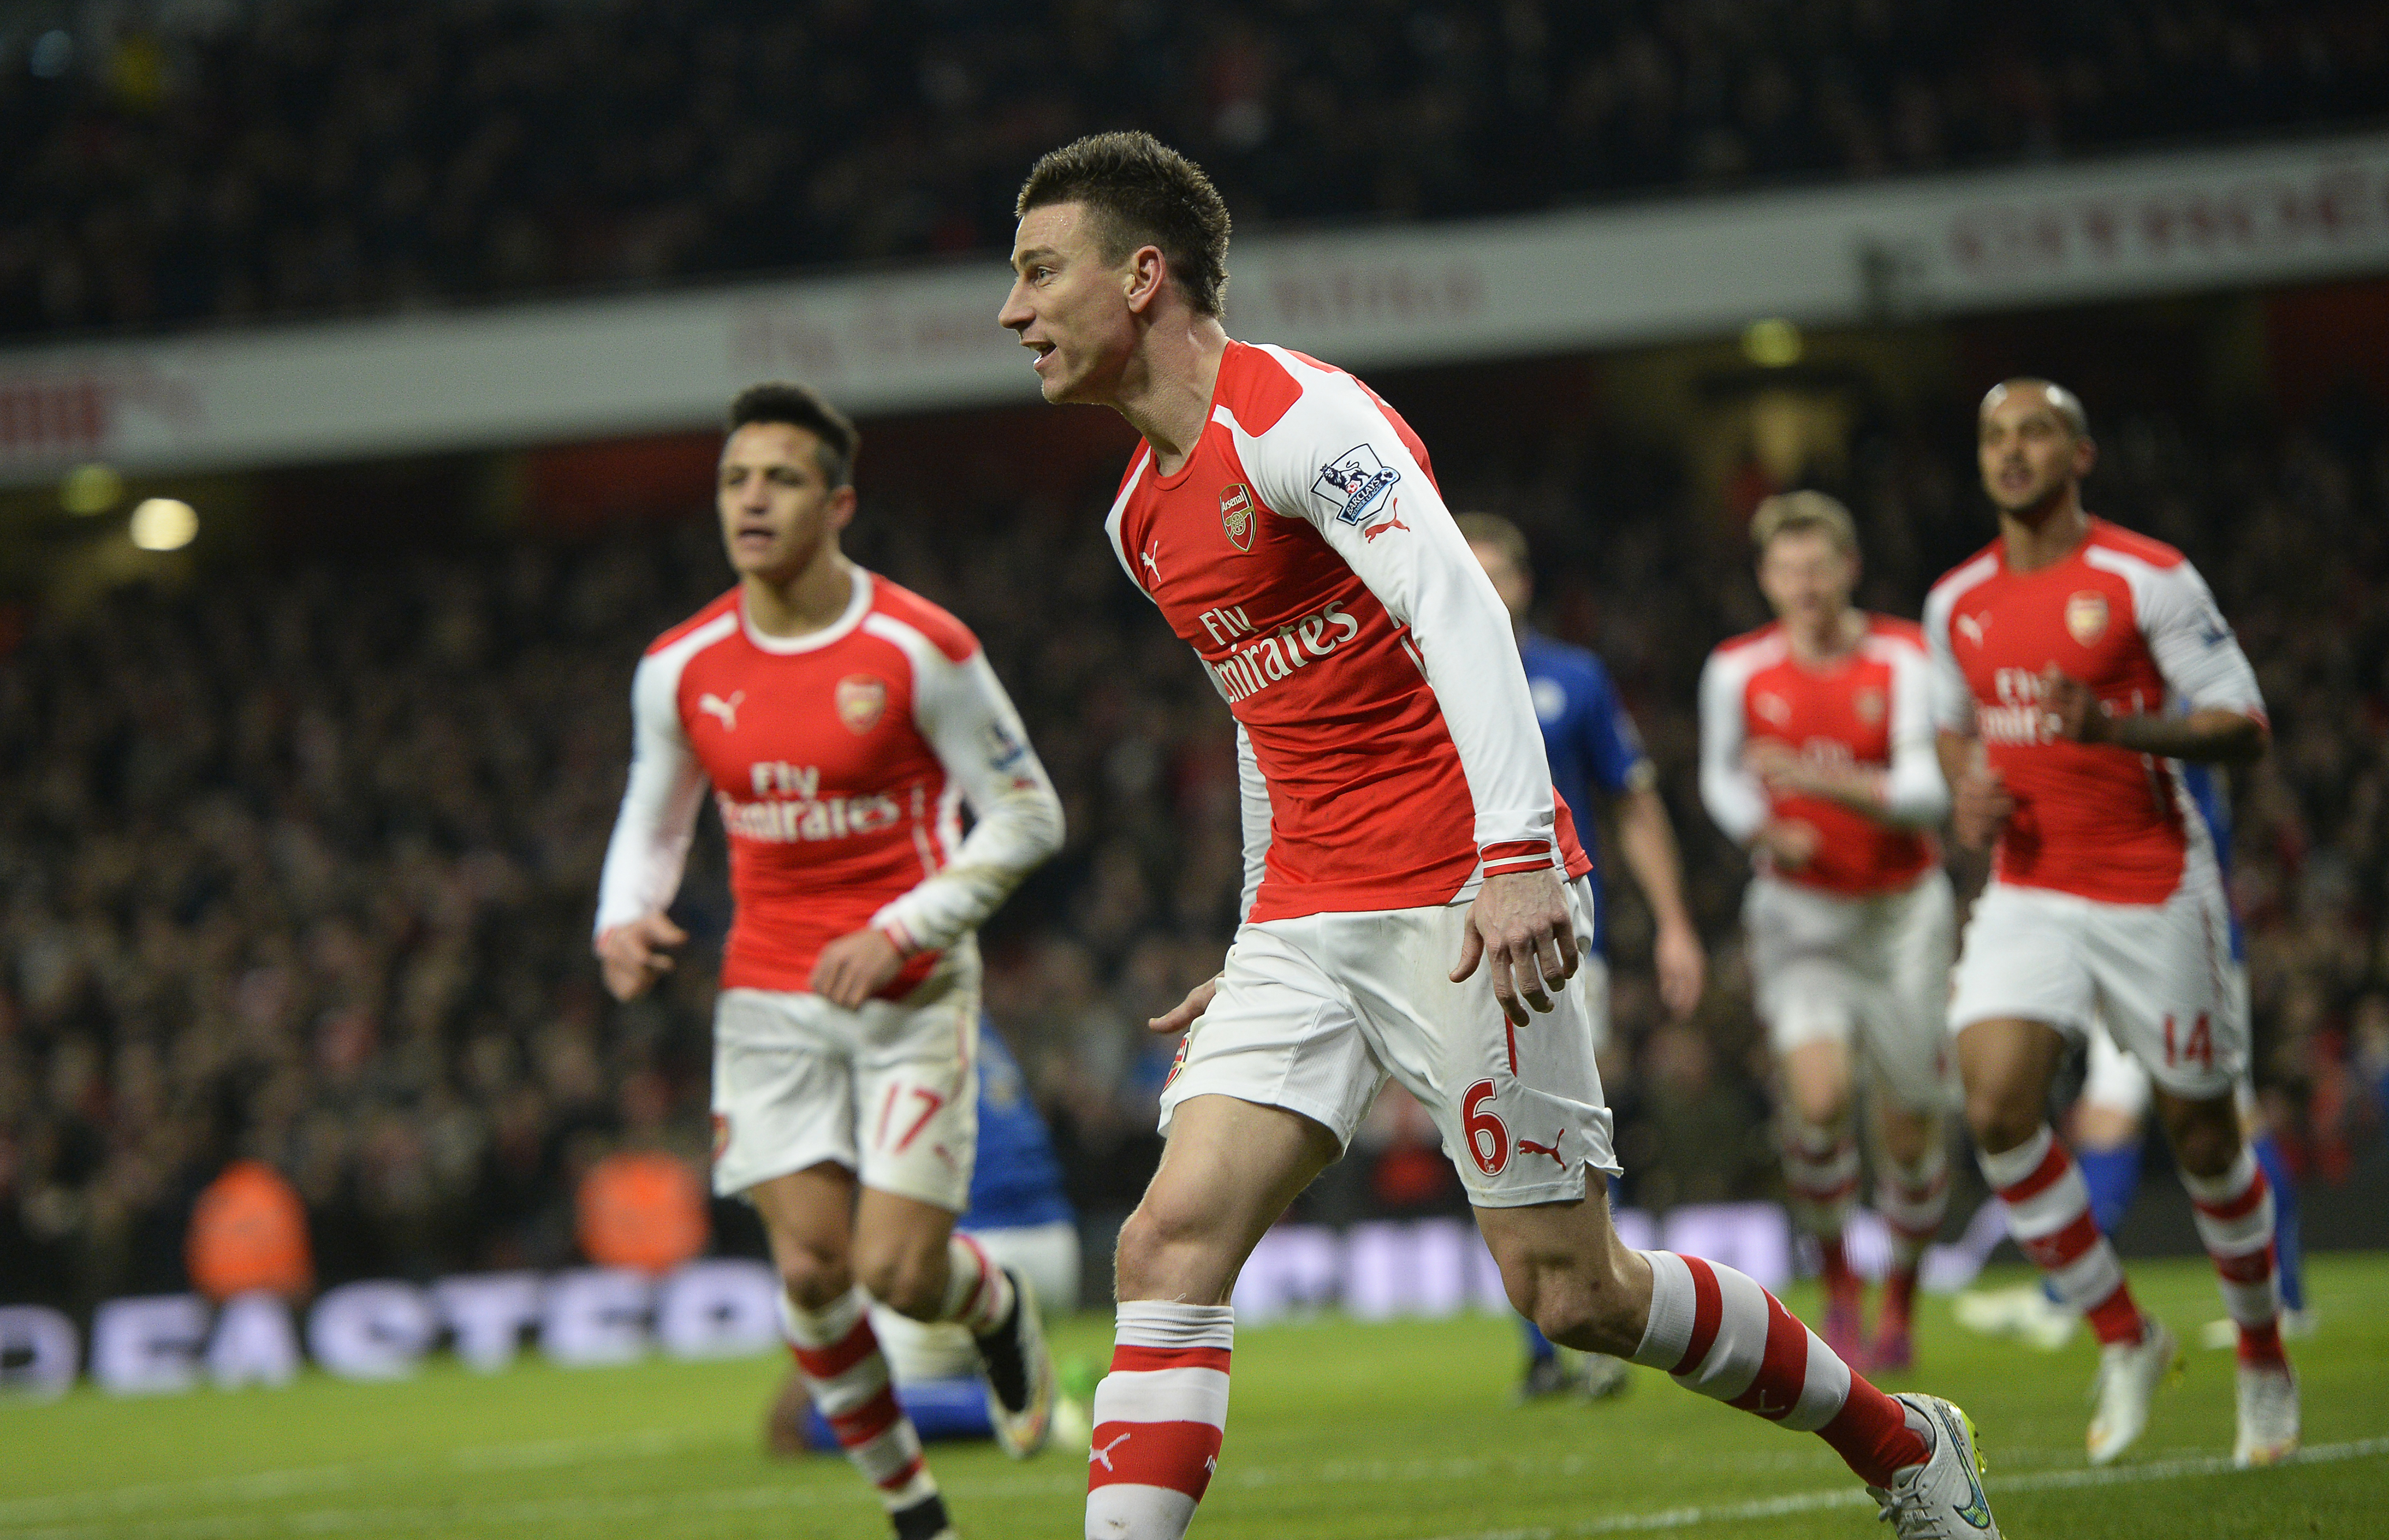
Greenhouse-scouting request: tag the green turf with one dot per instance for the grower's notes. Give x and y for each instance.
(1403, 1431)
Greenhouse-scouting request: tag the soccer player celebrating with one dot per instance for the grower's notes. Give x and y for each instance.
(1414, 895)
(839, 721)
(1588, 737)
(2056, 652)
(1817, 754)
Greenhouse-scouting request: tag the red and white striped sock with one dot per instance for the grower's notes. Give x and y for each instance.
(1913, 1200)
(1158, 1417)
(978, 1294)
(1821, 1176)
(2048, 1214)
(1722, 1334)
(2235, 1219)
(847, 1375)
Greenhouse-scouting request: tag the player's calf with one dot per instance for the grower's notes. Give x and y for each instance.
(847, 1375)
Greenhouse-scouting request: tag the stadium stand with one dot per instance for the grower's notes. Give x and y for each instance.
(298, 859)
(166, 164)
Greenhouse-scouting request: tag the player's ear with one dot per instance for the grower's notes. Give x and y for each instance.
(840, 507)
(1143, 278)
(2086, 455)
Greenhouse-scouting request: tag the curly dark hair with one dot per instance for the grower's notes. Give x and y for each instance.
(1146, 194)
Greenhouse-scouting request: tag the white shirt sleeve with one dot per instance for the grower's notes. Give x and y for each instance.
(1737, 803)
(1914, 795)
(1949, 699)
(1253, 812)
(2194, 647)
(1337, 461)
(649, 848)
(970, 724)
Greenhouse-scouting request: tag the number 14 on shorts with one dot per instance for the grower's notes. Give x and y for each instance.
(2196, 1047)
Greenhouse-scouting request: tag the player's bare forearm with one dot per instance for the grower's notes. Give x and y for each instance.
(1647, 840)
(1519, 926)
(1955, 751)
(2214, 735)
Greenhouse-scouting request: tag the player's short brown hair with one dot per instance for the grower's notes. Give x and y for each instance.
(2065, 404)
(797, 405)
(1495, 531)
(1144, 194)
(1804, 513)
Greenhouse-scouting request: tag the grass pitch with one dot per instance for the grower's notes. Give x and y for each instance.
(1398, 1431)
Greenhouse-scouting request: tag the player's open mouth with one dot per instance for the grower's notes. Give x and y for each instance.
(1044, 351)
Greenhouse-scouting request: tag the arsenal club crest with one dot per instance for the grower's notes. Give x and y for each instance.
(2086, 617)
(860, 699)
(1236, 515)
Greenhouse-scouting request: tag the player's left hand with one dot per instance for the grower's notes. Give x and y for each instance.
(853, 968)
(1683, 966)
(2072, 711)
(1519, 925)
(1784, 773)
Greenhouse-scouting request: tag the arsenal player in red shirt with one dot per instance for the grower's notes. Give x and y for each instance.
(1414, 895)
(1816, 753)
(2061, 651)
(839, 722)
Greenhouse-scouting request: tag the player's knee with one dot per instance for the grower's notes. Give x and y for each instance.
(814, 1279)
(1161, 1246)
(908, 1279)
(1999, 1118)
(1582, 1303)
(2205, 1146)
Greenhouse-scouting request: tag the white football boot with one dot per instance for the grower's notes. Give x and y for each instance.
(2268, 1415)
(2129, 1374)
(1941, 1499)
(2023, 1312)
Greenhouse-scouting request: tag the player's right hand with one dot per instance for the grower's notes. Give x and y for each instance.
(634, 954)
(1791, 843)
(1182, 1015)
(1979, 806)
(1518, 926)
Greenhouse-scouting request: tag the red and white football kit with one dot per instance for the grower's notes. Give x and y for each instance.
(839, 761)
(1390, 760)
(2104, 901)
(1857, 941)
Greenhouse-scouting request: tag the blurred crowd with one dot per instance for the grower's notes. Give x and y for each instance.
(165, 162)
(297, 862)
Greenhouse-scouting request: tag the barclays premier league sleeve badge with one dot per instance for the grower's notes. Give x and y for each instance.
(1352, 485)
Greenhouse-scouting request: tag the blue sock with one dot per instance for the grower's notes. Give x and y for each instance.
(939, 1410)
(2112, 1176)
(1538, 1347)
(2289, 1258)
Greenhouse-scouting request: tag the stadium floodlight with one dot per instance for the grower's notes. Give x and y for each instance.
(93, 489)
(165, 523)
(1771, 344)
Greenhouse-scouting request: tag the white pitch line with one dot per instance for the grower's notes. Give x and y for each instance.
(263, 1486)
(557, 1510)
(1850, 1496)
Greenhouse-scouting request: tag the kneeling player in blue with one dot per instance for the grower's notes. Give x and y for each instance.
(1020, 1219)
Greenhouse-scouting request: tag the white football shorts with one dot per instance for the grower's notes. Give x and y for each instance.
(2154, 973)
(1830, 968)
(2116, 1080)
(889, 1090)
(1314, 1013)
